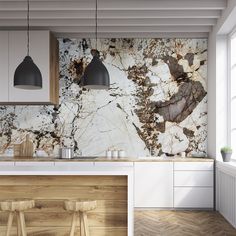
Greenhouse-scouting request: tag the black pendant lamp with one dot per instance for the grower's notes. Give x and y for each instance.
(27, 74)
(96, 75)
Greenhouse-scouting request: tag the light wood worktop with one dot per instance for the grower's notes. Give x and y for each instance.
(104, 159)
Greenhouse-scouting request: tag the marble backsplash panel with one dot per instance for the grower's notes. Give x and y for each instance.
(157, 101)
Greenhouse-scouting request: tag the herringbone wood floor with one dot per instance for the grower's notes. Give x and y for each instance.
(181, 223)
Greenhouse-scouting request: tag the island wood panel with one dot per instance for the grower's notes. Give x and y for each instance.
(63, 231)
(61, 180)
(44, 205)
(49, 216)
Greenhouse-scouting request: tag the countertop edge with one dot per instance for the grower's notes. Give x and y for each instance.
(103, 159)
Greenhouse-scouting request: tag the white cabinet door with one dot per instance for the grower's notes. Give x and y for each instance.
(39, 51)
(4, 66)
(189, 197)
(153, 184)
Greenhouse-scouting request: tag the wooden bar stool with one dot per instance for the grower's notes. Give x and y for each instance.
(80, 207)
(16, 206)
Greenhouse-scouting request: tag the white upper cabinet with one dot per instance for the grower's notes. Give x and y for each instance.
(44, 52)
(4, 66)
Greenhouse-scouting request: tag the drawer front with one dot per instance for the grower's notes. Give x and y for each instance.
(114, 164)
(193, 178)
(7, 163)
(34, 163)
(75, 164)
(193, 197)
(193, 165)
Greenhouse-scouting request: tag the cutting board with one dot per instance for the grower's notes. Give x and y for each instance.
(24, 149)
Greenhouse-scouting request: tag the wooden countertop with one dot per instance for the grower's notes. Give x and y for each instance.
(104, 159)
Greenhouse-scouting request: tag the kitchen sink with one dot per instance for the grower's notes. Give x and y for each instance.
(80, 158)
(86, 158)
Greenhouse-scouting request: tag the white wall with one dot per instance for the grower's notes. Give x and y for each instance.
(211, 124)
(217, 81)
(221, 92)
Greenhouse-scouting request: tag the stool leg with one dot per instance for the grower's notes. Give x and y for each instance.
(85, 223)
(18, 224)
(9, 223)
(73, 224)
(81, 224)
(22, 223)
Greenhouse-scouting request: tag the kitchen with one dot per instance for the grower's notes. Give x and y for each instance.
(113, 116)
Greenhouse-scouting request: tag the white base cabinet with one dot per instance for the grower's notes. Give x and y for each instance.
(193, 185)
(174, 184)
(153, 184)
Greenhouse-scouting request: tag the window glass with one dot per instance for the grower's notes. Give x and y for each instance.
(233, 113)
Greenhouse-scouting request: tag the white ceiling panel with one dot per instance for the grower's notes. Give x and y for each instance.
(123, 18)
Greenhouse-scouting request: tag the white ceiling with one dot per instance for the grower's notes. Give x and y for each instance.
(116, 18)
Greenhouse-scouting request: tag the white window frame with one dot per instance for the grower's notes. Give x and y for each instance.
(229, 97)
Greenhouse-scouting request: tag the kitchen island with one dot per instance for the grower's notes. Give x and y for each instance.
(119, 185)
(51, 184)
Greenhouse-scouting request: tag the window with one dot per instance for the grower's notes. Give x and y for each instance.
(232, 91)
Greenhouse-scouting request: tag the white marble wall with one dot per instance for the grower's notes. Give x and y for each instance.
(157, 101)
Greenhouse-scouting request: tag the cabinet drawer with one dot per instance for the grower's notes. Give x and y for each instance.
(7, 163)
(193, 178)
(193, 165)
(193, 197)
(114, 164)
(75, 164)
(34, 163)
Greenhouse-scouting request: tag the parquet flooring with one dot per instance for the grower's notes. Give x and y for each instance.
(181, 223)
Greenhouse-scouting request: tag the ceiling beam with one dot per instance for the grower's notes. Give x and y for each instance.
(109, 22)
(116, 5)
(117, 29)
(134, 35)
(114, 14)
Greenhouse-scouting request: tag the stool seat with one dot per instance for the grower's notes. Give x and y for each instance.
(16, 205)
(80, 205)
(79, 208)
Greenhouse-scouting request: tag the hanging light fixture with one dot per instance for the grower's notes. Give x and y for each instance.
(27, 74)
(96, 75)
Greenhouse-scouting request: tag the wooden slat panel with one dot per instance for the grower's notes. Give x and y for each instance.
(64, 180)
(64, 192)
(48, 219)
(64, 231)
(111, 206)
(49, 216)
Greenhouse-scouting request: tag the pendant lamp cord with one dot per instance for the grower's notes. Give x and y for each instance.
(28, 28)
(96, 16)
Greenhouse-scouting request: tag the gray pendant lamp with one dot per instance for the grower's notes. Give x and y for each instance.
(96, 75)
(27, 74)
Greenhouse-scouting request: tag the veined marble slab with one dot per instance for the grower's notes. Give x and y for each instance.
(157, 101)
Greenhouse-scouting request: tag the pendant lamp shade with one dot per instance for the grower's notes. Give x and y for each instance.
(96, 75)
(27, 75)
